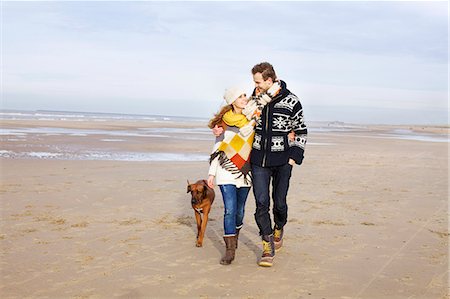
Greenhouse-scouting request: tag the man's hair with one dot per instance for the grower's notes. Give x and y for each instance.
(266, 70)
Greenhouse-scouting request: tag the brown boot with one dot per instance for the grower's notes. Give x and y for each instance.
(237, 236)
(230, 243)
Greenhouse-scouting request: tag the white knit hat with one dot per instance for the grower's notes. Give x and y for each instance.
(232, 93)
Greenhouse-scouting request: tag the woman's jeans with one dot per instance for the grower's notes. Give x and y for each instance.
(234, 203)
(280, 176)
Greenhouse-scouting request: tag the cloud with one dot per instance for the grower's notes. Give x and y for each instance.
(377, 54)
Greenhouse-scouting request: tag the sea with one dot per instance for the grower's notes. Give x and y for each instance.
(24, 136)
(88, 116)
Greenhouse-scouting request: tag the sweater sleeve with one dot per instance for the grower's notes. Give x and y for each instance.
(214, 163)
(213, 166)
(297, 147)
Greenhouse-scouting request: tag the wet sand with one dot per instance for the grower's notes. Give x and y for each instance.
(368, 218)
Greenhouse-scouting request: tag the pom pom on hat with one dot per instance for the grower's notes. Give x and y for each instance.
(232, 93)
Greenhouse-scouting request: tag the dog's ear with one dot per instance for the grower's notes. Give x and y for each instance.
(188, 188)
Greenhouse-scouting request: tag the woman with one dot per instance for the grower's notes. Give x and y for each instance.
(230, 166)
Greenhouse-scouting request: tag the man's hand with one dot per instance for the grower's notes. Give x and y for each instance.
(217, 131)
(210, 181)
(291, 162)
(291, 136)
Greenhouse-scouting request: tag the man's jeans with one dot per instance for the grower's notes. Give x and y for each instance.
(234, 203)
(280, 185)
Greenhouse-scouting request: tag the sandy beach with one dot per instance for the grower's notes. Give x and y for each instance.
(368, 217)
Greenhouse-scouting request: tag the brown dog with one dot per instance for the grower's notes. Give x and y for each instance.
(201, 200)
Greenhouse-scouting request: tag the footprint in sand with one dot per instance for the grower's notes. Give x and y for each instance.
(131, 221)
(29, 230)
(367, 223)
(440, 234)
(80, 225)
(58, 221)
(328, 222)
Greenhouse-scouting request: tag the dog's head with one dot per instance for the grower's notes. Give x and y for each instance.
(198, 191)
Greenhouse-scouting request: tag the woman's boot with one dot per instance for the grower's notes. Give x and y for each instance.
(237, 236)
(230, 243)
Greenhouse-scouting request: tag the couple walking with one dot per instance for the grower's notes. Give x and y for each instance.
(258, 140)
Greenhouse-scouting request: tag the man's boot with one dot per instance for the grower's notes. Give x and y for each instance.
(230, 244)
(268, 251)
(278, 237)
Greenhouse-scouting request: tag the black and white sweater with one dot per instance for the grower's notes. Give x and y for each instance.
(271, 146)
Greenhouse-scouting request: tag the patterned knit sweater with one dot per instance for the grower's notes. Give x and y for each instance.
(271, 146)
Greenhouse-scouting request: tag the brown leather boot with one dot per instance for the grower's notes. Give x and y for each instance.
(230, 243)
(237, 236)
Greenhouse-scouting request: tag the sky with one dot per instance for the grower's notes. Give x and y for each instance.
(380, 62)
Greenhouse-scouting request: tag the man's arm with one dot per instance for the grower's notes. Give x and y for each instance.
(297, 146)
(217, 131)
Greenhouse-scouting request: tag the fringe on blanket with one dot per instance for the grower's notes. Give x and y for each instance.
(228, 165)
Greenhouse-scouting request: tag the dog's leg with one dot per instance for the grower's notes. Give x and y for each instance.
(203, 225)
(198, 218)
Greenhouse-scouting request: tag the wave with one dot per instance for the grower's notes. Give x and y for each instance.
(106, 156)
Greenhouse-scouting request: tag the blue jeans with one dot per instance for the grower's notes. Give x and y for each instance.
(280, 176)
(234, 203)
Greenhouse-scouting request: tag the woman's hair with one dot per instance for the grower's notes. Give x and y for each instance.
(217, 119)
(266, 70)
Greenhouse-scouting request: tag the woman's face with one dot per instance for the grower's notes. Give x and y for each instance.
(241, 102)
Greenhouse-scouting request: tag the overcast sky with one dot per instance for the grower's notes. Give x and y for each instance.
(361, 62)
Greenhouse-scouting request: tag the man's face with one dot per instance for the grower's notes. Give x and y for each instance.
(261, 84)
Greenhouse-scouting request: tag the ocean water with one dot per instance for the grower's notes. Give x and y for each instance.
(21, 136)
(406, 134)
(88, 116)
(179, 133)
(365, 132)
(97, 155)
(113, 139)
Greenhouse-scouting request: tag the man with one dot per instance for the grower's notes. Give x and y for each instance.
(273, 155)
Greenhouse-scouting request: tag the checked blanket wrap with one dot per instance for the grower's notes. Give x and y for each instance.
(233, 153)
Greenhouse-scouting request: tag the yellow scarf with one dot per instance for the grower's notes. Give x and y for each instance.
(237, 120)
